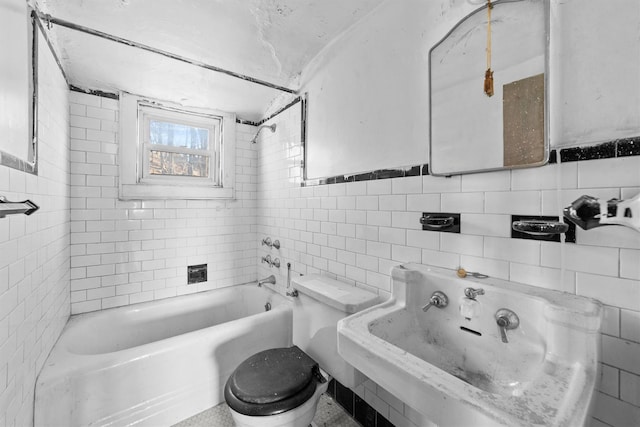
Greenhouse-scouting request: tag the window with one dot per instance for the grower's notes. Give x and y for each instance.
(171, 152)
(179, 145)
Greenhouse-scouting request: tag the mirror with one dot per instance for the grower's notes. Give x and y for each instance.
(18, 87)
(470, 131)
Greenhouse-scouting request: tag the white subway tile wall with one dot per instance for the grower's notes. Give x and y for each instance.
(357, 231)
(34, 252)
(126, 252)
(97, 252)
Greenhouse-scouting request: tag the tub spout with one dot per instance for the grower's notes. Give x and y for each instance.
(271, 279)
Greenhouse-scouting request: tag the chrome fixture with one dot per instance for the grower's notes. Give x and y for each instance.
(293, 293)
(267, 307)
(272, 263)
(271, 280)
(267, 242)
(588, 212)
(438, 299)
(473, 293)
(26, 207)
(440, 221)
(49, 20)
(540, 227)
(272, 127)
(544, 228)
(506, 319)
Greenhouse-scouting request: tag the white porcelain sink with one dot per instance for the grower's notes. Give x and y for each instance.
(451, 364)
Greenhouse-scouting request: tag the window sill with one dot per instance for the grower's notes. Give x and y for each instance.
(172, 192)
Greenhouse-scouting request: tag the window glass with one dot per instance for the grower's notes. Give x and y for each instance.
(179, 144)
(178, 135)
(178, 164)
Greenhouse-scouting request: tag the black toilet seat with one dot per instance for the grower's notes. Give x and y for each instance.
(272, 381)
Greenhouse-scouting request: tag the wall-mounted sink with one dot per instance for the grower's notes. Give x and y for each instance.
(516, 355)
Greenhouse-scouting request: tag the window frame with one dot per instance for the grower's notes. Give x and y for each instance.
(148, 113)
(136, 184)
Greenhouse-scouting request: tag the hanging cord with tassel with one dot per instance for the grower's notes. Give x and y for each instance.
(488, 75)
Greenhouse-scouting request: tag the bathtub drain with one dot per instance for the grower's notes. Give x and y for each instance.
(267, 306)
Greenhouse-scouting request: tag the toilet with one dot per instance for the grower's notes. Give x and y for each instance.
(282, 386)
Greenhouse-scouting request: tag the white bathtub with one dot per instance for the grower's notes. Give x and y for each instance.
(156, 363)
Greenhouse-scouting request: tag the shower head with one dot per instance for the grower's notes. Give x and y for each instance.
(272, 127)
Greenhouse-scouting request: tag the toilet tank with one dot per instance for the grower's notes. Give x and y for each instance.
(320, 304)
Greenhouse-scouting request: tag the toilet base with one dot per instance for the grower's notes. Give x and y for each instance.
(297, 417)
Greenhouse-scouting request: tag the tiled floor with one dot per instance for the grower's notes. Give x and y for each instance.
(329, 414)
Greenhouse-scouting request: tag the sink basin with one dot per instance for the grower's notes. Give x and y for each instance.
(452, 364)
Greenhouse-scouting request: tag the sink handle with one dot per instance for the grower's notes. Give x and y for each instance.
(506, 319)
(438, 299)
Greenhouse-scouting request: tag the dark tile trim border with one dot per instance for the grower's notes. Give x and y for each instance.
(418, 170)
(356, 407)
(115, 96)
(281, 110)
(623, 147)
(246, 122)
(94, 92)
(617, 148)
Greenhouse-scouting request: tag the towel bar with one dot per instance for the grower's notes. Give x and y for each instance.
(26, 207)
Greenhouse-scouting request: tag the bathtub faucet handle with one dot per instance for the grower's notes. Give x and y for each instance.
(267, 259)
(267, 241)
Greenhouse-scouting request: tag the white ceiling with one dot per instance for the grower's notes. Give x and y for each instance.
(270, 40)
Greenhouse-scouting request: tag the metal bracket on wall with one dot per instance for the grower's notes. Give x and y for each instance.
(440, 221)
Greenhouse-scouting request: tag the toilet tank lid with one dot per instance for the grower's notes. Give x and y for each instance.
(339, 295)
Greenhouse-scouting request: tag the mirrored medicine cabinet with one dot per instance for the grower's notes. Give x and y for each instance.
(18, 86)
(471, 131)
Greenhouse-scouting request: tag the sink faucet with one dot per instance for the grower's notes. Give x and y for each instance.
(271, 279)
(473, 293)
(438, 299)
